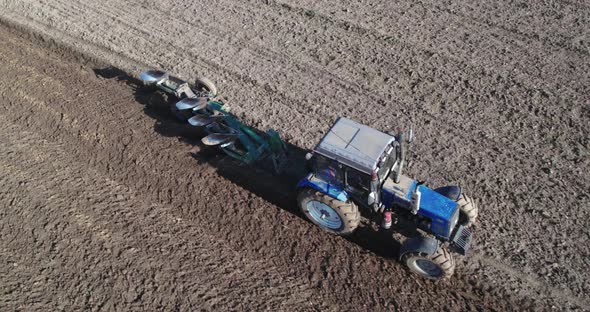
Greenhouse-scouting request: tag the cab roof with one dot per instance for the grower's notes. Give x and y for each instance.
(354, 144)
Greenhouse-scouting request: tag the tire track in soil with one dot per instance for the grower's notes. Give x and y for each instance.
(543, 26)
(488, 50)
(81, 148)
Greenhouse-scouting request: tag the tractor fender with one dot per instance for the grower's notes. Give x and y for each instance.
(421, 244)
(451, 192)
(323, 187)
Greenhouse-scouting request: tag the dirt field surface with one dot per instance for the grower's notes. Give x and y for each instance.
(103, 207)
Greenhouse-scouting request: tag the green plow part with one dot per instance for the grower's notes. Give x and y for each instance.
(224, 129)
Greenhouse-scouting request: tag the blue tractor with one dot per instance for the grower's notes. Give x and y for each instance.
(357, 166)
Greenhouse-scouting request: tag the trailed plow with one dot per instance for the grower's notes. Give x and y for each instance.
(199, 107)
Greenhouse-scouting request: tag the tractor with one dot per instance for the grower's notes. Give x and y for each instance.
(357, 166)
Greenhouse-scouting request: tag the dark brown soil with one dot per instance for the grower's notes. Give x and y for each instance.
(104, 206)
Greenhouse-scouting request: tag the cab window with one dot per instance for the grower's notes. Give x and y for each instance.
(357, 180)
(327, 170)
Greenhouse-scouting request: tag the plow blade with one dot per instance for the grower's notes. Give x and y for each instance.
(192, 103)
(219, 138)
(151, 77)
(203, 120)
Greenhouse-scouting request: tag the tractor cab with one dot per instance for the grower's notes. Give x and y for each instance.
(354, 160)
(355, 165)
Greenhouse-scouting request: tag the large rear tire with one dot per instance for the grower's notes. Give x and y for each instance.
(440, 265)
(332, 215)
(468, 210)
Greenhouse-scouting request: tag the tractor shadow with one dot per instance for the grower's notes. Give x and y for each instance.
(259, 180)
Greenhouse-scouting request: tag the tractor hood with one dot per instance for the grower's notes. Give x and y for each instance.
(442, 211)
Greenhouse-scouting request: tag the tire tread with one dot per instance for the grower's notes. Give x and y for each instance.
(441, 257)
(348, 211)
(469, 209)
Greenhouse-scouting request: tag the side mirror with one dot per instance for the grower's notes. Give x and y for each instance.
(308, 156)
(410, 138)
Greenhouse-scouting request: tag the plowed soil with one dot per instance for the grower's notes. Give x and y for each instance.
(104, 206)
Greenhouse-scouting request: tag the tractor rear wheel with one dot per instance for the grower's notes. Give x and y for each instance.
(437, 266)
(332, 215)
(468, 210)
(204, 84)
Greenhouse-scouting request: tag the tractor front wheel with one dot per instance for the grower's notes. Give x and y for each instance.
(468, 210)
(437, 266)
(330, 214)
